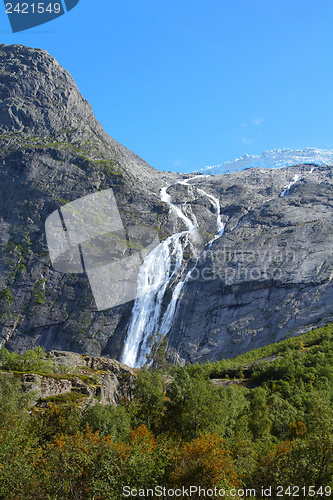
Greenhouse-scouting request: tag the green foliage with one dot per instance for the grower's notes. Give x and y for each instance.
(6, 296)
(17, 441)
(38, 292)
(66, 398)
(156, 359)
(251, 361)
(281, 413)
(149, 399)
(271, 427)
(148, 461)
(259, 422)
(108, 421)
(193, 406)
(33, 361)
(57, 420)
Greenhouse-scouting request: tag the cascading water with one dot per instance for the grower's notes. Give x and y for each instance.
(157, 269)
(217, 206)
(285, 192)
(295, 179)
(171, 309)
(156, 273)
(167, 199)
(160, 270)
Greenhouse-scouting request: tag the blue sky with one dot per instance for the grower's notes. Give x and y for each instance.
(185, 84)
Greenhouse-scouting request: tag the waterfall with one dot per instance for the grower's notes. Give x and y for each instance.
(171, 309)
(217, 206)
(156, 273)
(296, 178)
(159, 270)
(285, 192)
(167, 199)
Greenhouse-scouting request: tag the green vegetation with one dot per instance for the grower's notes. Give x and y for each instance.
(32, 361)
(6, 296)
(72, 396)
(266, 422)
(84, 153)
(38, 292)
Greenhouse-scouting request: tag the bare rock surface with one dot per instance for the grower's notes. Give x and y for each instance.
(54, 151)
(269, 275)
(108, 379)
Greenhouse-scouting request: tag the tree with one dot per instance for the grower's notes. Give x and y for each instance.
(83, 466)
(194, 405)
(149, 399)
(55, 420)
(18, 444)
(156, 358)
(148, 462)
(205, 462)
(259, 421)
(33, 360)
(108, 420)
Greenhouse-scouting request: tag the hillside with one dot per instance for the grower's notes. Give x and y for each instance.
(268, 431)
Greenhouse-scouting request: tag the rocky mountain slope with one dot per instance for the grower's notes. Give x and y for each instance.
(53, 151)
(270, 274)
(239, 265)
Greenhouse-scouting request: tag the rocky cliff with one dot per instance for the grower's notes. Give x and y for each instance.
(53, 151)
(270, 274)
(248, 254)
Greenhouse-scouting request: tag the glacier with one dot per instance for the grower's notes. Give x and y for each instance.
(276, 158)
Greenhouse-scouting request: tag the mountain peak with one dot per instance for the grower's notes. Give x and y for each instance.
(37, 95)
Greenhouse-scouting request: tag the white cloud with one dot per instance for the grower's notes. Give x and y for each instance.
(180, 162)
(258, 121)
(246, 141)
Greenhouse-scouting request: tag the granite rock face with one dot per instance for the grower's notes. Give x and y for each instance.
(268, 275)
(53, 151)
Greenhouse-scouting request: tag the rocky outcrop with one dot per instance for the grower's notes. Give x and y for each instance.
(106, 378)
(44, 387)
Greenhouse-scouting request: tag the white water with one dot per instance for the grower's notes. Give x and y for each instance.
(171, 309)
(217, 207)
(215, 203)
(285, 192)
(156, 273)
(157, 269)
(296, 178)
(167, 199)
